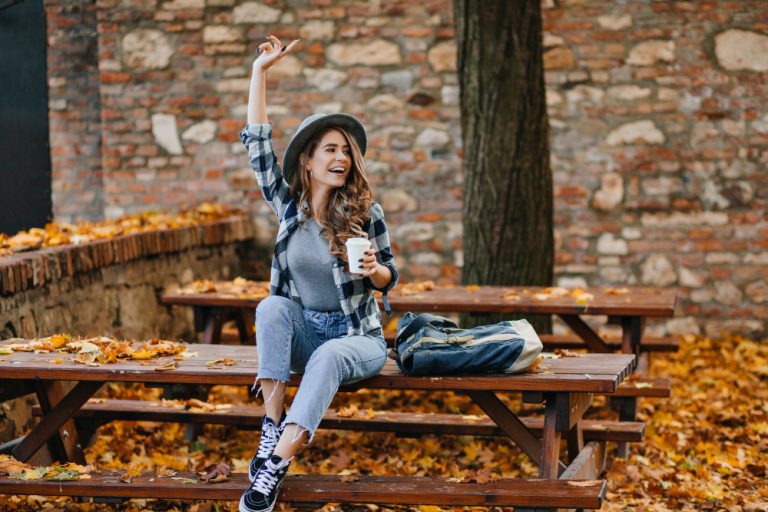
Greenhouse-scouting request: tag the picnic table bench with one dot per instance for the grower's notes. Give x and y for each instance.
(565, 386)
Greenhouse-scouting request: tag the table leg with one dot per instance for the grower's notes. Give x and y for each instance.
(550, 466)
(58, 409)
(244, 319)
(199, 314)
(213, 324)
(631, 334)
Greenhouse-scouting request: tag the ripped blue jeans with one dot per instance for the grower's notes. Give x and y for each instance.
(316, 344)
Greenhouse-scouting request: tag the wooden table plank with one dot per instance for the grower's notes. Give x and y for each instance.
(604, 372)
(636, 301)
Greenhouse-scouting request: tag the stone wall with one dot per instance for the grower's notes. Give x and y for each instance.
(659, 129)
(112, 286)
(660, 144)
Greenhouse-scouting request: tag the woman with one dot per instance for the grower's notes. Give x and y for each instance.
(319, 320)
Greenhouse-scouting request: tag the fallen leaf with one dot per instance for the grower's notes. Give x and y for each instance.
(562, 352)
(170, 365)
(131, 472)
(535, 363)
(215, 473)
(10, 465)
(220, 363)
(584, 483)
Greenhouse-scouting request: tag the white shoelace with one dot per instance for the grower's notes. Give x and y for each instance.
(266, 478)
(269, 437)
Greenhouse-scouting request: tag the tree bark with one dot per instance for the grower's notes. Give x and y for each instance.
(507, 215)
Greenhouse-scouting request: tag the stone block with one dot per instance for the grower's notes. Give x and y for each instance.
(636, 132)
(738, 50)
(442, 56)
(559, 58)
(378, 52)
(166, 133)
(658, 271)
(255, 12)
(649, 53)
(146, 49)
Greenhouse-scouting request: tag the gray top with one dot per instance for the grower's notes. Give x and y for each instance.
(311, 264)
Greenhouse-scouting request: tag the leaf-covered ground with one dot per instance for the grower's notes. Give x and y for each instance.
(706, 448)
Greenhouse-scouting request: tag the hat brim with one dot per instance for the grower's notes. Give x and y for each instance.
(344, 121)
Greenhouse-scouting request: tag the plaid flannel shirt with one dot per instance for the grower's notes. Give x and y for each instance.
(355, 292)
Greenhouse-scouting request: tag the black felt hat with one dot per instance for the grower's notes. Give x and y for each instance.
(311, 126)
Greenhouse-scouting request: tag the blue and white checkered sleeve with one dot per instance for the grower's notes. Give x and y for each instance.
(257, 139)
(379, 237)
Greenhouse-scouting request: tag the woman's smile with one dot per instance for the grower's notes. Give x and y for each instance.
(331, 162)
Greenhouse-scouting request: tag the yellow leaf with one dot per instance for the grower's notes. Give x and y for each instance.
(143, 353)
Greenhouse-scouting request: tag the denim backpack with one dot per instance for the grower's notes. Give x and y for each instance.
(432, 345)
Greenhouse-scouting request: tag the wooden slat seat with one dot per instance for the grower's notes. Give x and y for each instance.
(652, 387)
(647, 344)
(403, 490)
(249, 417)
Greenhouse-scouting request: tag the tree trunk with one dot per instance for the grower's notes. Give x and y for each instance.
(508, 237)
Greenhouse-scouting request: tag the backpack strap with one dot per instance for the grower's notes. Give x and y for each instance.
(416, 324)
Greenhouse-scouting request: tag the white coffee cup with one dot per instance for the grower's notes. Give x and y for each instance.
(356, 248)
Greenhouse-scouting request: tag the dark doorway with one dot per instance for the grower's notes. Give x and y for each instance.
(25, 161)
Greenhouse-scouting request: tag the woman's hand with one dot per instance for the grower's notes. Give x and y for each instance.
(379, 275)
(271, 52)
(369, 263)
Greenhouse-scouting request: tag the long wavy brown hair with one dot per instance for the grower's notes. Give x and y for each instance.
(348, 207)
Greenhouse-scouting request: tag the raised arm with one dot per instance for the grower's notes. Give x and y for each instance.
(257, 135)
(270, 52)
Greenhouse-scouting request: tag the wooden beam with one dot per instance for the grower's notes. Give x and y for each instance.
(593, 340)
(508, 422)
(570, 409)
(575, 441)
(588, 465)
(57, 420)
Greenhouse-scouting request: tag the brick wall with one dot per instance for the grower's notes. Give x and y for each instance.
(659, 129)
(74, 110)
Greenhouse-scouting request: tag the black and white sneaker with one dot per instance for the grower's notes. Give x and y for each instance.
(270, 435)
(262, 494)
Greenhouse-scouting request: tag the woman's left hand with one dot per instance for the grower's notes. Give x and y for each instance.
(369, 263)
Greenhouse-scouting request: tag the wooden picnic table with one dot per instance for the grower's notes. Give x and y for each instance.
(627, 307)
(564, 385)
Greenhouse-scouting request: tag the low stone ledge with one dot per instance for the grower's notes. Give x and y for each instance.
(28, 270)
